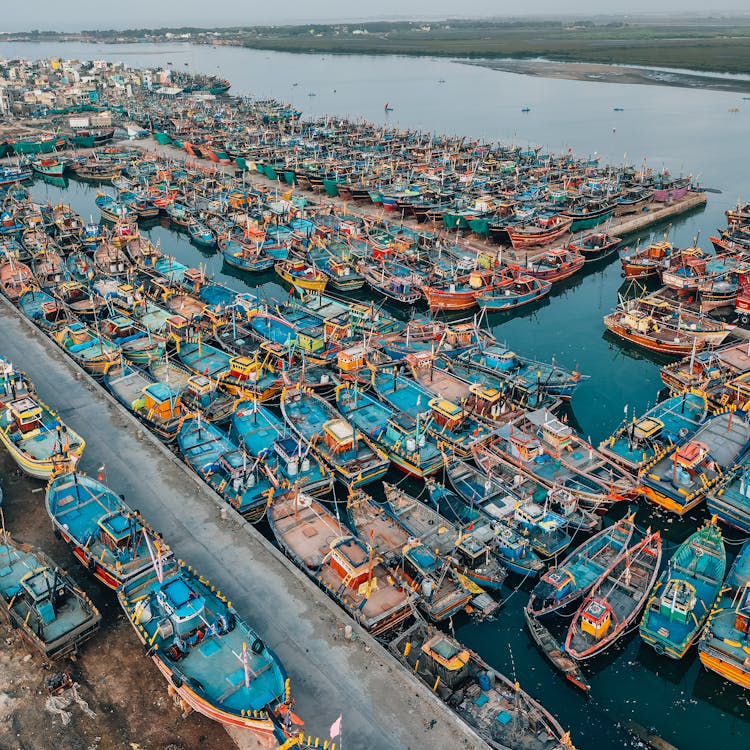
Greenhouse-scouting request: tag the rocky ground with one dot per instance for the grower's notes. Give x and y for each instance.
(127, 695)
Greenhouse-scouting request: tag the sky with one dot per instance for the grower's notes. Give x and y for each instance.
(73, 15)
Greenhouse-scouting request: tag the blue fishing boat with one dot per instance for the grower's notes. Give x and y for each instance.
(508, 293)
(404, 440)
(498, 359)
(354, 458)
(217, 664)
(724, 646)
(667, 423)
(545, 528)
(201, 234)
(37, 439)
(567, 582)
(90, 350)
(511, 548)
(288, 457)
(42, 603)
(109, 539)
(684, 595)
(680, 476)
(43, 310)
(449, 424)
(139, 345)
(242, 481)
(244, 256)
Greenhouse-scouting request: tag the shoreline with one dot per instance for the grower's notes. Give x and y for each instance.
(615, 73)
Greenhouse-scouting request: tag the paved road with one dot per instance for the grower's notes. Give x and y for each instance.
(382, 706)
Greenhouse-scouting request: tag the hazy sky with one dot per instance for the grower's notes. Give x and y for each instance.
(67, 15)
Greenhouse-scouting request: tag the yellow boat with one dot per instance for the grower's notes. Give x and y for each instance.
(40, 443)
(301, 276)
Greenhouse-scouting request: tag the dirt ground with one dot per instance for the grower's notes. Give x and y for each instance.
(128, 696)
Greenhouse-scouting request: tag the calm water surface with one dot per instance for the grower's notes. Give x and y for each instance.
(687, 131)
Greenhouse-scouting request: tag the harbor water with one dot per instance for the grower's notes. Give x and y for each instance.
(685, 130)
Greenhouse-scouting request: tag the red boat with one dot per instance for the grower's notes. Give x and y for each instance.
(542, 232)
(458, 294)
(554, 265)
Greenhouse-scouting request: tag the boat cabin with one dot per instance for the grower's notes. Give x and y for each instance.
(159, 401)
(290, 451)
(193, 278)
(117, 530)
(239, 470)
(472, 552)
(596, 619)
(244, 369)
(445, 413)
(352, 359)
(43, 590)
(339, 435)
(26, 414)
(646, 429)
(200, 388)
(486, 401)
(183, 606)
(678, 600)
(524, 446)
(120, 328)
(449, 661)
(742, 613)
(337, 329)
(555, 434)
(351, 560)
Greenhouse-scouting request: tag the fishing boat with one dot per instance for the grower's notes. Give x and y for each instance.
(398, 286)
(638, 440)
(197, 392)
(404, 440)
(595, 246)
(521, 289)
(448, 422)
(39, 442)
(245, 483)
(15, 278)
(264, 436)
(432, 576)
(542, 446)
(556, 654)
(155, 404)
(723, 647)
(201, 234)
(541, 232)
(546, 530)
(301, 276)
(350, 453)
(729, 500)
(93, 352)
(684, 595)
(522, 373)
(41, 601)
(554, 265)
(489, 526)
(642, 264)
(214, 661)
(497, 709)
(108, 538)
(567, 582)
(680, 476)
(346, 568)
(615, 600)
(458, 293)
(137, 344)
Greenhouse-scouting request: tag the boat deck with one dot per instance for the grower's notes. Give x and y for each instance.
(216, 662)
(423, 522)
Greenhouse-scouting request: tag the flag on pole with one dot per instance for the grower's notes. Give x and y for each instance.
(336, 728)
(101, 473)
